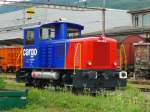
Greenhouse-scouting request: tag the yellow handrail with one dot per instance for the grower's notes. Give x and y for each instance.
(78, 45)
(125, 58)
(21, 58)
(120, 57)
(20, 55)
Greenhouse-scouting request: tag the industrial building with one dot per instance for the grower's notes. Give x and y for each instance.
(12, 22)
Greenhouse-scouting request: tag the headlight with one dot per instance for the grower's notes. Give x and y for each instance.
(89, 63)
(123, 75)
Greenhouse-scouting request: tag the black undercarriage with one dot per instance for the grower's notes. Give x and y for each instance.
(89, 79)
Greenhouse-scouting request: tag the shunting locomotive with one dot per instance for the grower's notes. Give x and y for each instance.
(56, 54)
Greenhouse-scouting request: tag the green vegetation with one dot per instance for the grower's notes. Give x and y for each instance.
(127, 4)
(130, 100)
(116, 4)
(2, 83)
(121, 4)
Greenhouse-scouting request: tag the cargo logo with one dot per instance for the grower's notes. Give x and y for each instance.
(30, 52)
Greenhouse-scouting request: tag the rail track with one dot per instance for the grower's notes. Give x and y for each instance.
(143, 85)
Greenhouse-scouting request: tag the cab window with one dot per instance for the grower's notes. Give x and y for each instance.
(30, 37)
(73, 33)
(47, 33)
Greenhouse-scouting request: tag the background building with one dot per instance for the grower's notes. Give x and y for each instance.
(140, 18)
(12, 22)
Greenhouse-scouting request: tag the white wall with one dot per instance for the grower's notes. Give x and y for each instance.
(92, 20)
(11, 35)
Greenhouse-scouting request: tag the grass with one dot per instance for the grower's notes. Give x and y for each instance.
(2, 82)
(129, 100)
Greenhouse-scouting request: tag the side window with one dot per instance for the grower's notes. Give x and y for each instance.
(30, 37)
(136, 20)
(47, 33)
(73, 33)
(145, 20)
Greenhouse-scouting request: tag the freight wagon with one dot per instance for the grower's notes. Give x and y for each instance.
(55, 54)
(142, 60)
(10, 58)
(126, 51)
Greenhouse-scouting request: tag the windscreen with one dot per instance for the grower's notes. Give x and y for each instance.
(30, 37)
(47, 33)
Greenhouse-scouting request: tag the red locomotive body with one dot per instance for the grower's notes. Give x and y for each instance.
(94, 53)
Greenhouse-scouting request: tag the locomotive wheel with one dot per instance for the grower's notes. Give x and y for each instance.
(28, 84)
(41, 84)
(28, 79)
(10, 70)
(77, 91)
(1, 70)
(93, 91)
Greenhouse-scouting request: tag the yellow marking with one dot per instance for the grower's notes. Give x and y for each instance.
(21, 58)
(78, 45)
(20, 55)
(125, 58)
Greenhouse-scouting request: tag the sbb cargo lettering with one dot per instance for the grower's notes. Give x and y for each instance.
(30, 52)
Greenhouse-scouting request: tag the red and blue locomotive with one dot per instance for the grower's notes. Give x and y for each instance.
(55, 54)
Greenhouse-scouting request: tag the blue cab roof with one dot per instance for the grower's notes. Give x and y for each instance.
(71, 25)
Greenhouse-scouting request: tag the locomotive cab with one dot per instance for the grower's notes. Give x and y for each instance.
(40, 41)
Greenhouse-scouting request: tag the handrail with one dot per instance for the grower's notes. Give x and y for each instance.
(20, 55)
(125, 57)
(21, 58)
(78, 45)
